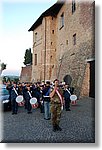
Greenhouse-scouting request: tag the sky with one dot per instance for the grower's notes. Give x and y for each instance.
(98, 104)
(16, 17)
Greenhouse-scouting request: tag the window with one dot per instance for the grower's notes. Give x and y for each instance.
(35, 59)
(66, 42)
(52, 31)
(73, 6)
(74, 39)
(62, 20)
(35, 36)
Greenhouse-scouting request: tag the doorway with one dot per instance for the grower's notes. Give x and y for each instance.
(92, 79)
(88, 85)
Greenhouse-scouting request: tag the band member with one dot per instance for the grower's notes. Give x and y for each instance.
(41, 99)
(8, 87)
(36, 92)
(24, 94)
(46, 98)
(56, 104)
(67, 94)
(28, 96)
(14, 93)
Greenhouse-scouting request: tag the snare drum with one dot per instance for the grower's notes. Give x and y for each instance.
(19, 100)
(33, 102)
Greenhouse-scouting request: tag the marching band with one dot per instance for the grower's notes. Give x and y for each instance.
(51, 98)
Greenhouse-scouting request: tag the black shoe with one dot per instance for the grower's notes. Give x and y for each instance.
(54, 129)
(58, 128)
(47, 118)
(42, 112)
(68, 110)
(29, 112)
(13, 113)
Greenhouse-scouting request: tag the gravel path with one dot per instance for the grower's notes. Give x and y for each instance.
(78, 126)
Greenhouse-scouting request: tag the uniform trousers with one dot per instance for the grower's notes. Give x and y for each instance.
(29, 107)
(14, 106)
(55, 113)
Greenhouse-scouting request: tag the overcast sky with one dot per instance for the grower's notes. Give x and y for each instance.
(16, 17)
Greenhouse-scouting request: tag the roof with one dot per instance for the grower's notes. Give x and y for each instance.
(52, 11)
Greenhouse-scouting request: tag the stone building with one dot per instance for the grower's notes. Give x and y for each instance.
(26, 74)
(64, 45)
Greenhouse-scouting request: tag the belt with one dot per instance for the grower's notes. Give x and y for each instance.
(55, 103)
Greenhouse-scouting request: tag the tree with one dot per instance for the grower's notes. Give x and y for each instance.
(28, 57)
(3, 66)
(4, 79)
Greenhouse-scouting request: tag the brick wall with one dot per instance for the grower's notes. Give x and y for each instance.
(47, 44)
(85, 86)
(26, 73)
(37, 49)
(62, 56)
(74, 57)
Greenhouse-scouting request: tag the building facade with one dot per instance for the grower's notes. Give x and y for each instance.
(64, 45)
(26, 73)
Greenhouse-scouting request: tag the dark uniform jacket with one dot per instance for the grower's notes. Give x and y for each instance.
(12, 92)
(66, 94)
(46, 92)
(26, 94)
(36, 93)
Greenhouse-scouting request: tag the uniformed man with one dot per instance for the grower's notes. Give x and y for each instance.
(27, 95)
(14, 90)
(67, 94)
(56, 104)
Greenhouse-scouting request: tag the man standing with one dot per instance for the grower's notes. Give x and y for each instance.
(14, 93)
(67, 94)
(56, 104)
(46, 98)
(27, 95)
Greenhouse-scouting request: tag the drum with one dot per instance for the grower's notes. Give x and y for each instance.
(19, 100)
(33, 102)
(73, 97)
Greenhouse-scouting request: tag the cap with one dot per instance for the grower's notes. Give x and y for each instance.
(47, 82)
(55, 80)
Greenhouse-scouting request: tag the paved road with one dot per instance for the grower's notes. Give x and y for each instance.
(78, 126)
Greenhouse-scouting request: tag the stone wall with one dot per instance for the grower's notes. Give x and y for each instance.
(37, 49)
(62, 56)
(45, 48)
(71, 59)
(26, 74)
